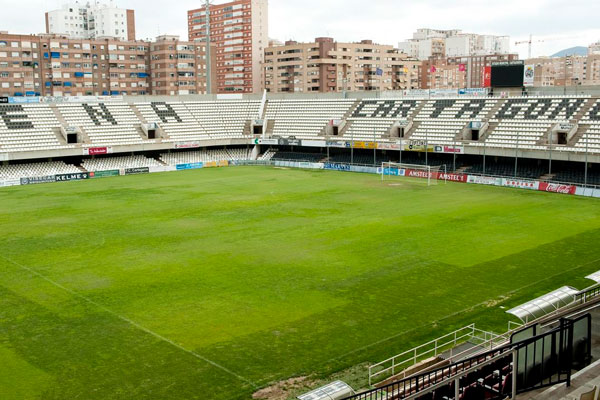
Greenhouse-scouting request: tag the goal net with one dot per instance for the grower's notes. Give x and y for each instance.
(429, 174)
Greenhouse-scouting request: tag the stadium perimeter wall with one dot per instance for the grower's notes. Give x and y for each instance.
(522, 184)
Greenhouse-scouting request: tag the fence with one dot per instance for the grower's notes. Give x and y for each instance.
(447, 343)
(533, 363)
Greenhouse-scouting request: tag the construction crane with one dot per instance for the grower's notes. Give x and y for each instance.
(530, 42)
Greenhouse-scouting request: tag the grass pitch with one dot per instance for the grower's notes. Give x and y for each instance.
(210, 284)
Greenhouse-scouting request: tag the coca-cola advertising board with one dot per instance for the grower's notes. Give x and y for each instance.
(557, 188)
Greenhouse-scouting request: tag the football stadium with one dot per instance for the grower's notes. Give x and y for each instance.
(234, 217)
(223, 249)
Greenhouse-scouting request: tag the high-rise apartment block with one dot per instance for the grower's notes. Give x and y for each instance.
(178, 67)
(328, 66)
(239, 30)
(92, 21)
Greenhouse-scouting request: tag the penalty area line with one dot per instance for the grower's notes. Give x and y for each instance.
(132, 323)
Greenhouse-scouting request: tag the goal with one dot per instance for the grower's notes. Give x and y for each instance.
(430, 174)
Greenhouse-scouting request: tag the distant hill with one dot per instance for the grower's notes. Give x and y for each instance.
(573, 51)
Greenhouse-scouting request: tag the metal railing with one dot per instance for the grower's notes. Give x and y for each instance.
(586, 295)
(535, 362)
(401, 362)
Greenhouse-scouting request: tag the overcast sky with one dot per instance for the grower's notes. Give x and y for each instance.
(560, 23)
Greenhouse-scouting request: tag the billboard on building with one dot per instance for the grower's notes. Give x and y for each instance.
(486, 82)
(528, 75)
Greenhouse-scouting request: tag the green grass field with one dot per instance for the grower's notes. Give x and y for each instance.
(209, 284)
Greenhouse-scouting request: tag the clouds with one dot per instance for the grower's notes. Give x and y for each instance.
(560, 23)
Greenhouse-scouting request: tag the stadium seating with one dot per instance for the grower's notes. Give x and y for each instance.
(36, 170)
(361, 159)
(578, 176)
(104, 123)
(268, 155)
(371, 120)
(523, 135)
(239, 154)
(523, 122)
(514, 123)
(590, 141)
(304, 119)
(525, 169)
(438, 132)
(113, 163)
(175, 120)
(223, 119)
(295, 156)
(200, 120)
(441, 121)
(189, 157)
(27, 127)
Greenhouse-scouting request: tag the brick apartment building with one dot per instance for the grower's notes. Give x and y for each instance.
(328, 66)
(239, 29)
(178, 67)
(566, 71)
(52, 65)
(458, 72)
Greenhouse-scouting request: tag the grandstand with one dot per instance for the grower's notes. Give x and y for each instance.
(29, 128)
(29, 170)
(110, 124)
(553, 139)
(189, 157)
(113, 163)
(304, 119)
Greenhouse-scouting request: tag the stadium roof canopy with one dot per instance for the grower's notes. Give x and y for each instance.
(333, 391)
(544, 305)
(594, 277)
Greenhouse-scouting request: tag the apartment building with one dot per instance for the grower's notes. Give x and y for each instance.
(240, 31)
(566, 71)
(428, 43)
(328, 66)
(54, 65)
(178, 67)
(476, 67)
(92, 21)
(438, 73)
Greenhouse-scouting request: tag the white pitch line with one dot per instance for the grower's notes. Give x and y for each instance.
(133, 323)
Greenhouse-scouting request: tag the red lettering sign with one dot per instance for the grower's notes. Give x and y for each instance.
(557, 188)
